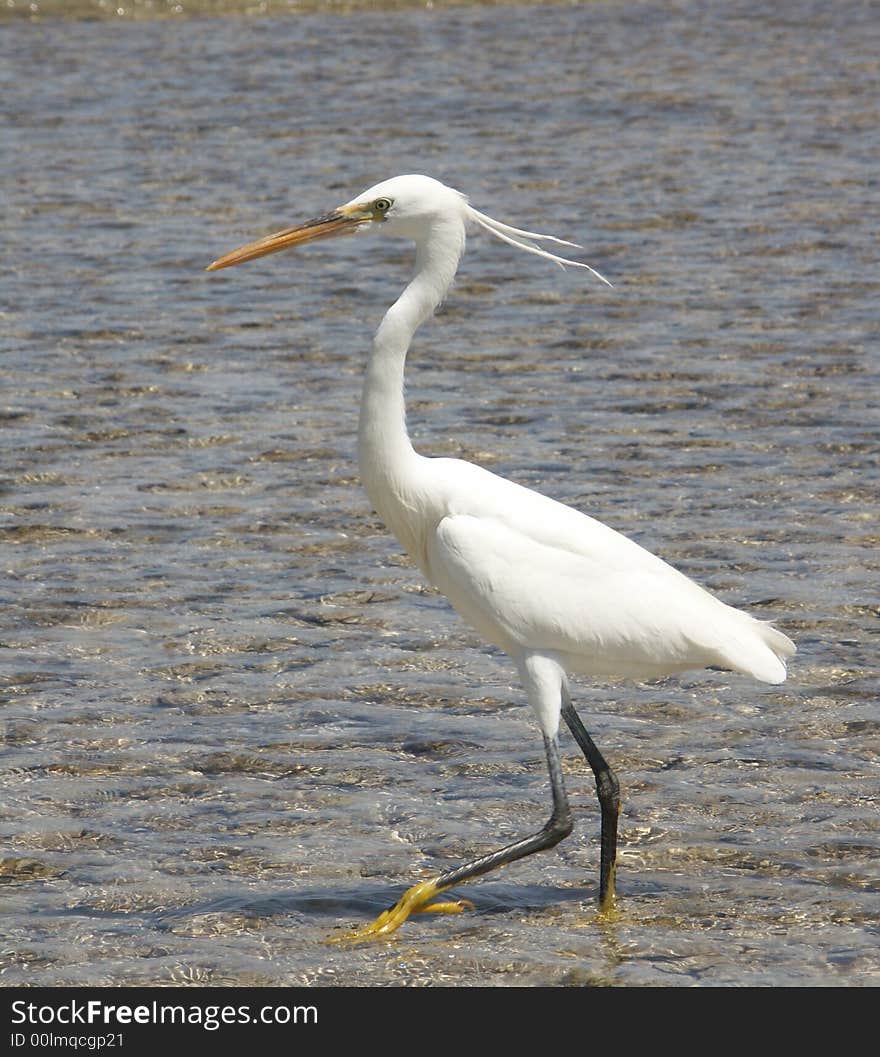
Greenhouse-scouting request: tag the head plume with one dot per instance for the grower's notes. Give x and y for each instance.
(525, 240)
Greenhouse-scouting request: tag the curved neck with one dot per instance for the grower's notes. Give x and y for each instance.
(385, 453)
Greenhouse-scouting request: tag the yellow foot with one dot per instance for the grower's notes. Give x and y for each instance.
(607, 904)
(608, 912)
(415, 900)
(454, 906)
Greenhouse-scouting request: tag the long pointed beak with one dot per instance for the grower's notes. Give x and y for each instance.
(342, 221)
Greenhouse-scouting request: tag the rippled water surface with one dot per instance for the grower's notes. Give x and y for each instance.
(234, 719)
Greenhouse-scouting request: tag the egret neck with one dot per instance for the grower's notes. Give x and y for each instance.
(393, 474)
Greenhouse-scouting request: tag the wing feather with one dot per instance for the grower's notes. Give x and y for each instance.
(608, 606)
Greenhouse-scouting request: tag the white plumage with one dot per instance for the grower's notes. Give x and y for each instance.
(557, 590)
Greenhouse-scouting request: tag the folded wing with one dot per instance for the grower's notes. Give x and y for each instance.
(605, 605)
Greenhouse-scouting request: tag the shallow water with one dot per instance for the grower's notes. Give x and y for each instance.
(234, 719)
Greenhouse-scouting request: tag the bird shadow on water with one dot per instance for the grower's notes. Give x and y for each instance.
(328, 907)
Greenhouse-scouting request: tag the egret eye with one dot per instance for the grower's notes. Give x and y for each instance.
(382, 205)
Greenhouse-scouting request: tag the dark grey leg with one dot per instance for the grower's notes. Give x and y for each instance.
(608, 790)
(418, 899)
(557, 827)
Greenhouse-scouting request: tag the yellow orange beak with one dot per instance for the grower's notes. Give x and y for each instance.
(342, 221)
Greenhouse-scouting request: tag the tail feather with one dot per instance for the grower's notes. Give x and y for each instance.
(781, 644)
(762, 655)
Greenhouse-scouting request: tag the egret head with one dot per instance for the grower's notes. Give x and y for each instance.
(404, 205)
(410, 205)
(413, 206)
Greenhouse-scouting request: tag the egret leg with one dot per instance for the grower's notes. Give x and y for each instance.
(418, 898)
(608, 790)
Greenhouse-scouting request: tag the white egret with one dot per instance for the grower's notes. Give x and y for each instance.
(556, 590)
